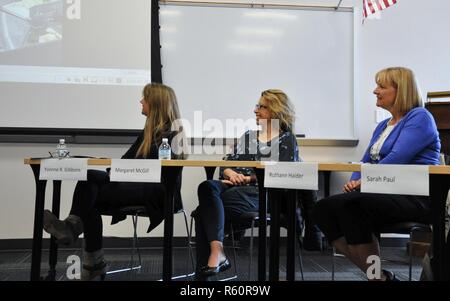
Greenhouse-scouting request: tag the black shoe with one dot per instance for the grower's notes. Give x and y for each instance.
(199, 276)
(211, 271)
(390, 276)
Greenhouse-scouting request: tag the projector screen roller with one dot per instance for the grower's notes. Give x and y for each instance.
(74, 64)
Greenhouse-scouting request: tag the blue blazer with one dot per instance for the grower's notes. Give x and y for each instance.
(414, 140)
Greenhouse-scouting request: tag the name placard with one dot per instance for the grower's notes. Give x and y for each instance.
(131, 170)
(63, 169)
(395, 179)
(291, 175)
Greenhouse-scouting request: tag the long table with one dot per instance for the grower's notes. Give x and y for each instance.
(439, 186)
(170, 167)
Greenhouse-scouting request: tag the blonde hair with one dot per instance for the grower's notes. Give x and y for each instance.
(163, 111)
(404, 81)
(280, 107)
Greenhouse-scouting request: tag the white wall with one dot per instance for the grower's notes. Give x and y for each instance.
(410, 33)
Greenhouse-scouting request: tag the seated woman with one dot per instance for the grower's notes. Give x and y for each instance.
(349, 220)
(97, 195)
(236, 191)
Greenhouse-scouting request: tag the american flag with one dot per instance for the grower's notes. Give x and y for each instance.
(372, 6)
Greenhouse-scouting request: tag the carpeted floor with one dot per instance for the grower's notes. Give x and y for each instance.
(15, 265)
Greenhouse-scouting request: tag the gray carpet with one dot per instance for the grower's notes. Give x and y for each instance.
(15, 265)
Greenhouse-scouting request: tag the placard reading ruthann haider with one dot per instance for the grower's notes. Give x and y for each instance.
(291, 175)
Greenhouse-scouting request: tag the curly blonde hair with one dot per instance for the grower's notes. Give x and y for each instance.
(280, 107)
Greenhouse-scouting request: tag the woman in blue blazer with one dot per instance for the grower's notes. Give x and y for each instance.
(410, 136)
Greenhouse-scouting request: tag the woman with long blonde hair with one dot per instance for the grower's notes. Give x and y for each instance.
(98, 195)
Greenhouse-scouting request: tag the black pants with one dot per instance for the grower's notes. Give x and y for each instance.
(219, 204)
(356, 216)
(98, 195)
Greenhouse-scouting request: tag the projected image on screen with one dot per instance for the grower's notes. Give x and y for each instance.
(28, 23)
(40, 44)
(69, 66)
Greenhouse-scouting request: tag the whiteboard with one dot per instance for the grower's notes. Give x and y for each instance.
(219, 59)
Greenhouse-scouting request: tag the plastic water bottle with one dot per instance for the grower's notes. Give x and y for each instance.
(61, 149)
(164, 152)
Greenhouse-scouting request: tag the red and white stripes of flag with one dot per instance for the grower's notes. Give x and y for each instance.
(370, 7)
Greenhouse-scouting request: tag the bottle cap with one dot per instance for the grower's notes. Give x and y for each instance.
(62, 141)
(165, 140)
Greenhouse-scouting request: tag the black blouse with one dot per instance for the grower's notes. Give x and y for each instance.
(155, 212)
(153, 151)
(249, 148)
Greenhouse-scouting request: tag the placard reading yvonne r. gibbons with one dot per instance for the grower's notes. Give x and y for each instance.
(395, 179)
(63, 169)
(291, 175)
(132, 170)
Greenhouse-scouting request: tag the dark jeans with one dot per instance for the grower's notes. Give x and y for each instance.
(356, 215)
(98, 195)
(219, 204)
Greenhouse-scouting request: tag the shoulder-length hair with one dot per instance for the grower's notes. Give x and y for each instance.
(404, 81)
(163, 112)
(280, 107)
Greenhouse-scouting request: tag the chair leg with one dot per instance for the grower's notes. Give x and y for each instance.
(411, 235)
(233, 242)
(332, 263)
(189, 247)
(300, 257)
(191, 243)
(410, 261)
(135, 247)
(251, 251)
(410, 252)
(190, 231)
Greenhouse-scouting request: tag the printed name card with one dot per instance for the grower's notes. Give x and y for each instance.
(395, 179)
(63, 169)
(291, 175)
(129, 170)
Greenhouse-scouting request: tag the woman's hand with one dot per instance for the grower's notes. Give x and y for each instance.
(234, 178)
(352, 185)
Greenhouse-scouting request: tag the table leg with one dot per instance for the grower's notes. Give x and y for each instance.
(262, 225)
(274, 249)
(291, 234)
(36, 252)
(326, 183)
(53, 257)
(210, 172)
(439, 187)
(171, 175)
